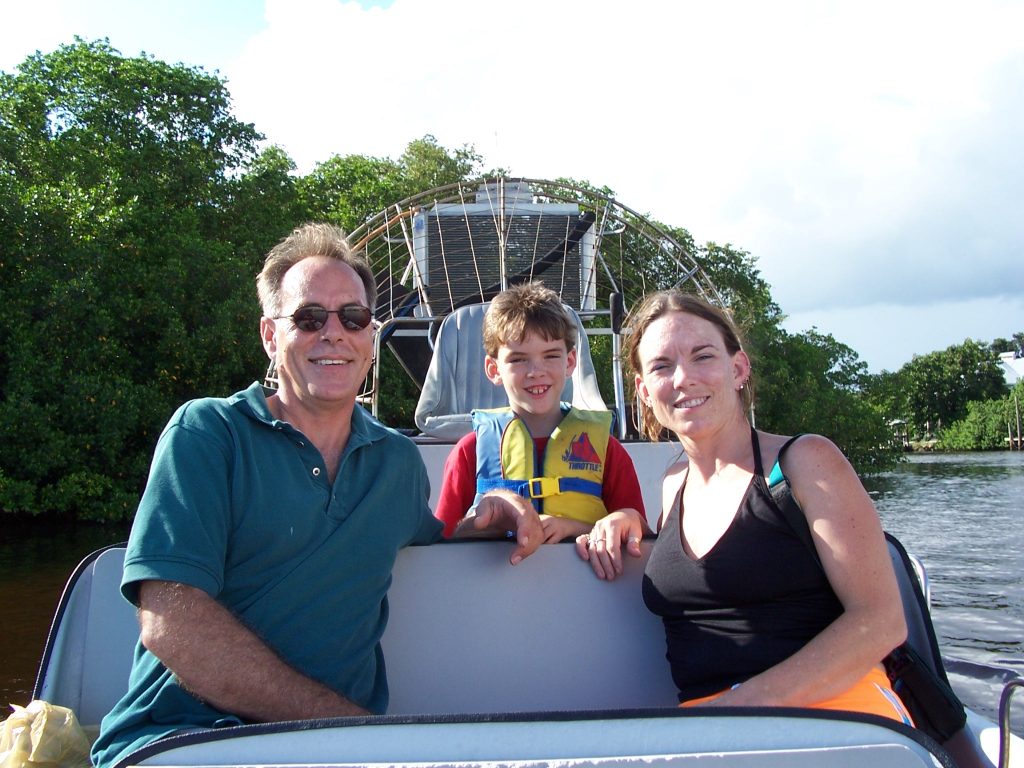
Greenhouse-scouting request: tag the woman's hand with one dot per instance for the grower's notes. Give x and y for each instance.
(602, 547)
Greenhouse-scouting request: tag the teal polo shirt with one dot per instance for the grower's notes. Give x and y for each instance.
(238, 504)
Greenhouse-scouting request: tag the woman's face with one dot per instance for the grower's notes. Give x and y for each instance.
(687, 376)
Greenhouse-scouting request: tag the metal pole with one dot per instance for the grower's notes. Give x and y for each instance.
(502, 276)
(617, 311)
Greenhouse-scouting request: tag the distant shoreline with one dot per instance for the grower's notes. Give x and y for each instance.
(934, 446)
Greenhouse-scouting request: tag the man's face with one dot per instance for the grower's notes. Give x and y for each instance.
(325, 368)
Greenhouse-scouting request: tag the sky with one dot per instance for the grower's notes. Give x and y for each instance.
(868, 154)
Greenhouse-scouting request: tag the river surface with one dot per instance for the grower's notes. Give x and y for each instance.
(962, 514)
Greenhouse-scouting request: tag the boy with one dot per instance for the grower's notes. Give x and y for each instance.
(579, 471)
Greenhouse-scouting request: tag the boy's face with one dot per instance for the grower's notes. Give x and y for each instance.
(533, 373)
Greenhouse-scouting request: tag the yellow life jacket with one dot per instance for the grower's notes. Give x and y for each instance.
(571, 473)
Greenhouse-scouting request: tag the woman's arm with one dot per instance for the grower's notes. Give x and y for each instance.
(602, 547)
(847, 534)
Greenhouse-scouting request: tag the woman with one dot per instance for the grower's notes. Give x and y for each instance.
(751, 616)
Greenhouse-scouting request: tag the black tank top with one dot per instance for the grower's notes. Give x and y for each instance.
(755, 599)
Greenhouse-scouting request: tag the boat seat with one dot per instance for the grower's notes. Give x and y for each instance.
(456, 383)
(462, 644)
(920, 631)
(447, 604)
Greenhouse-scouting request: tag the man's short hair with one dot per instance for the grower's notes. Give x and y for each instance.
(311, 239)
(523, 309)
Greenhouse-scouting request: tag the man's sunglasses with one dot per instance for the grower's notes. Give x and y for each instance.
(313, 317)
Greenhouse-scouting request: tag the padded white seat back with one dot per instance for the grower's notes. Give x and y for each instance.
(464, 635)
(456, 383)
(468, 636)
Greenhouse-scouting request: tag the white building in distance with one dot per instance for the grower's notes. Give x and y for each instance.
(1013, 367)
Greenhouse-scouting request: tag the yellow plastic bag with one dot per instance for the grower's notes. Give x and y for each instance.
(43, 735)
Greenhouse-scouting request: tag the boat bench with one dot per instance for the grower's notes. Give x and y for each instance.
(475, 649)
(468, 633)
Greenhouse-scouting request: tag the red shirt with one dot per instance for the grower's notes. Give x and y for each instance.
(620, 488)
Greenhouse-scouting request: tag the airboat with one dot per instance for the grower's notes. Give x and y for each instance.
(533, 675)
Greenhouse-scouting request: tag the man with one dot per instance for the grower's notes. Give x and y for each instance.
(262, 549)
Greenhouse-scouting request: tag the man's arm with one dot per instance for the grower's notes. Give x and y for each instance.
(222, 662)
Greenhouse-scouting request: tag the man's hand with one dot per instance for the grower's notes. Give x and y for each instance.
(506, 511)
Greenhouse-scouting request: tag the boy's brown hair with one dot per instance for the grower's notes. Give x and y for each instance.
(527, 308)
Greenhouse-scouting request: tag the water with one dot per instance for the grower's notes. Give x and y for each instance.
(961, 514)
(34, 566)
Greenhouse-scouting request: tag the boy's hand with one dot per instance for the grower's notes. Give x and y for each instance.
(601, 547)
(558, 528)
(506, 511)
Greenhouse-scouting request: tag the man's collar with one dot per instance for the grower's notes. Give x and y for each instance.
(253, 401)
(365, 428)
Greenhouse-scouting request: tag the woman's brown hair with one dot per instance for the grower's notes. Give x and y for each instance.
(657, 305)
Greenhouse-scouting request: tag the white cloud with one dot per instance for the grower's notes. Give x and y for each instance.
(29, 27)
(866, 153)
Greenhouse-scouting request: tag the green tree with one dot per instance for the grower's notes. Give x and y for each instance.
(348, 190)
(887, 392)
(817, 386)
(265, 205)
(1013, 344)
(984, 428)
(122, 296)
(425, 164)
(940, 384)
